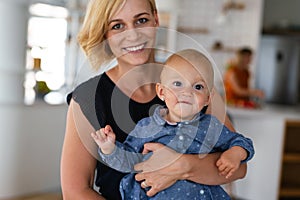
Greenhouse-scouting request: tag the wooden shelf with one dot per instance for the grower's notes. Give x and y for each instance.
(224, 49)
(291, 158)
(289, 192)
(290, 173)
(293, 123)
(193, 30)
(281, 32)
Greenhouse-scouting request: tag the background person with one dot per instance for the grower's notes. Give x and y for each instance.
(237, 81)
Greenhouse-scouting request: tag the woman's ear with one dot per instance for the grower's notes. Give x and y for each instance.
(159, 91)
(156, 23)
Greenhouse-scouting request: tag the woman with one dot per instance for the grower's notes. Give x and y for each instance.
(129, 27)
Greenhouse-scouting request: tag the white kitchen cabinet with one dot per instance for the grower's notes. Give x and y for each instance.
(266, 128)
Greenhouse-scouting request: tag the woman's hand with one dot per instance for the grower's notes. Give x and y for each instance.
(161, 170)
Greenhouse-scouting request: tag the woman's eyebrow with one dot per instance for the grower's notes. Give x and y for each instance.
(140, 14)
(114, 20)
(135, 16)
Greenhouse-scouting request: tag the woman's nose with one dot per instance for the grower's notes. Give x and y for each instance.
(132, 34)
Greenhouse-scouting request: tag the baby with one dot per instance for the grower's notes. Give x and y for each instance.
(186, 86)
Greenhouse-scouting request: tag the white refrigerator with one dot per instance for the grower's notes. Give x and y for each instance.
(277, 71)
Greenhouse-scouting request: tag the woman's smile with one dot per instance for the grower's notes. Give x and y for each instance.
(134, 49)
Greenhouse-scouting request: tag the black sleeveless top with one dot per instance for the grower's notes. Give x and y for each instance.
(103, 103)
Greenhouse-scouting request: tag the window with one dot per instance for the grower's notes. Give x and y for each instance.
(46, 53)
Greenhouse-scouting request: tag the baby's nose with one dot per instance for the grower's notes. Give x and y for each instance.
(187, 91)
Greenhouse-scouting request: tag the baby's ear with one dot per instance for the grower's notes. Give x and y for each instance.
(159, 91)
(211, 94)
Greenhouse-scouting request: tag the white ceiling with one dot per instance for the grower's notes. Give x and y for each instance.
(64, 3)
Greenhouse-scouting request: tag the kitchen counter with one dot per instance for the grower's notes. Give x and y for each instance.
(266, 128)
(281, 111)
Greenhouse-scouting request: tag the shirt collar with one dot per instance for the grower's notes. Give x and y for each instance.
(161, 111)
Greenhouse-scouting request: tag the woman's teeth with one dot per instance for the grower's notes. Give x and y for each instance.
(136, 48)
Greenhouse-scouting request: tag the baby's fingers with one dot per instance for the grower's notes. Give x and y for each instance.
(230, 173)
(107, 129)
(225, 171)
(221, 166)
(97, 138)
(94, 135)
(101, 134)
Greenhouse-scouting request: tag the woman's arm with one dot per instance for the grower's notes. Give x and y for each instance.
(77, 165)
(204, 170)
(166, 166)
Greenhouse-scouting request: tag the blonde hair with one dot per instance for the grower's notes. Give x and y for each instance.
(92, 34)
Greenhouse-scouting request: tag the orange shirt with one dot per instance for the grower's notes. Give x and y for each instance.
(242, 76)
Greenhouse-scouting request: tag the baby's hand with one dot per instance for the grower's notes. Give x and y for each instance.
(230, 161)
(105, 138)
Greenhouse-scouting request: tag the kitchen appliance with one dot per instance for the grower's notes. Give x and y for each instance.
(278, 68)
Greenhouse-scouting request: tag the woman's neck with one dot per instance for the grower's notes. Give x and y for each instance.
(136, 82)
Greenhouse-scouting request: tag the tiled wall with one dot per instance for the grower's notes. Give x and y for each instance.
(239, 28)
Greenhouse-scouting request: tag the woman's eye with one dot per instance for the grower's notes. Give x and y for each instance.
(177, 83)
(198, 87)
(117, 26)
(142, 21)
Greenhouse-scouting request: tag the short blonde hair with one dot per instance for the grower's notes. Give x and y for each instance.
(95, 26)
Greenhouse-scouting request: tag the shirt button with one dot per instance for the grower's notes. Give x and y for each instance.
(181, 137)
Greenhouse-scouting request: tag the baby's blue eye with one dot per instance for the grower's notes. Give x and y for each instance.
(198, 87)
(177, 83)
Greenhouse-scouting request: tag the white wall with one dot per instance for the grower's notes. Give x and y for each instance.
(13, 22)
(30, 148)
(281, 13)
(31, 136)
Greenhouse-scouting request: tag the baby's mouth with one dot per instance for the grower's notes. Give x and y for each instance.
(184, 102)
